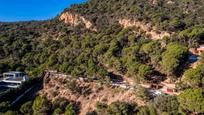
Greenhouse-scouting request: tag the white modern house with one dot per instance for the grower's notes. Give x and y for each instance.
(13, 79)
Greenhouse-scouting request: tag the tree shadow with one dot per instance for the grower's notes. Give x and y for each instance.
(115, 78)
(156, 77)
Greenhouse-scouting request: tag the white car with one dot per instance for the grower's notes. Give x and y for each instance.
(155, 92)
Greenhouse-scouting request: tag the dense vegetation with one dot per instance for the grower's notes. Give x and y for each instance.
(35, 46)
(174, 15)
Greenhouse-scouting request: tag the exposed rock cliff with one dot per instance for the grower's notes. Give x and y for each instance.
(146, 27)
(76, 19)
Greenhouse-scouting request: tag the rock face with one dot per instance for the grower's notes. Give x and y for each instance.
(75, 19)
(146, 27)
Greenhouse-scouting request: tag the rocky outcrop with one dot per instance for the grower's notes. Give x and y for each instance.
(75, 19)
(150, 31)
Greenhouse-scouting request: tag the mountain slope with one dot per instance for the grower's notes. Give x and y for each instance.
(146, 41)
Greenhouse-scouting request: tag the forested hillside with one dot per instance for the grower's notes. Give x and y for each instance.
(170, 15)
(36, 46)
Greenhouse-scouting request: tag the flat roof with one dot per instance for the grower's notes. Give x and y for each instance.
(12, 72)
(15, 79)
(201, 46)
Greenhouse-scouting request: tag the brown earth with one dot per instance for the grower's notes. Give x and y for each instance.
(55, 86)
(75, 19)
(146, 27)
